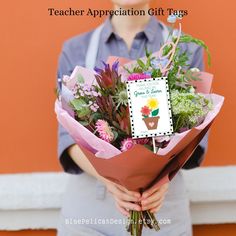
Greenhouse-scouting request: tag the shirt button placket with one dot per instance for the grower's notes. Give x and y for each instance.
(135, 48)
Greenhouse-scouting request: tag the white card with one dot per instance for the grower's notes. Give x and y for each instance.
(149, 104)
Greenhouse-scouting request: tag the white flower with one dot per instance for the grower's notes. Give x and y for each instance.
(175, 33)
(194, 69)
(65, 78)
(192, 90)
(171, 19)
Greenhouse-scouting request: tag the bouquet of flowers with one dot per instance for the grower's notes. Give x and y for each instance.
(93, 107)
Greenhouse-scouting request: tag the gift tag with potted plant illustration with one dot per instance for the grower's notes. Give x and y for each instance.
(149, 105)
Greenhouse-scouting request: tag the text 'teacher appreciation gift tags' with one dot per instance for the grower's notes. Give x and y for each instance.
(149, 104)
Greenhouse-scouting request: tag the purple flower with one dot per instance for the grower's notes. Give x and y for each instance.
(93, 108)
(157, 62)
(94, 93)
(106, 65)
(98, 70)
(87, 93)
(115, 66)
(148, 73)
(86, 87)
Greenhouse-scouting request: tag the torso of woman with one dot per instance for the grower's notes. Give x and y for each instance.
(88, 209)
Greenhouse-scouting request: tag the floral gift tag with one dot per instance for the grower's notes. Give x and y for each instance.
(149, 104)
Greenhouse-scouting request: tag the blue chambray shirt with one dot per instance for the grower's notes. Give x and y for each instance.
(110, 44)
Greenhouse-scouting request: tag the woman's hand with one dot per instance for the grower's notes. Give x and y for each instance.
(153, 198)
(125, 200)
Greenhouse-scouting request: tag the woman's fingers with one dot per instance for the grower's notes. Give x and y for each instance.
(131, 193)
(122, 210)
(128, 205)
(154, 200)
(151, 199)
(123, 195)
(156, 209)
(149, 192)
(152, 190)
(153, 204)
(125, 201)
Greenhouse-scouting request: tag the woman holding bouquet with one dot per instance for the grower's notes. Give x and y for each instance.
(94, 205)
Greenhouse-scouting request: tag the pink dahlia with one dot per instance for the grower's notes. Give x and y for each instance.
(138, 76)
(127, 144)
(104, 130)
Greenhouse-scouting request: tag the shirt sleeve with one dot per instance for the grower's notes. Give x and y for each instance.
(196, 60)
(65, 67)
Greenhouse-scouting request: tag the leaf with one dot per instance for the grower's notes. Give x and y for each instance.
(141, 64)
(192, 75)
(127, 69)
(155, 112)
(83, 112)
(78, 104)
(148, 147)
(148, 63)
(84, 123)
(80, 79)
(148, 53)
(190, 39)
(115, 134)
(115, 124)
(95, 116)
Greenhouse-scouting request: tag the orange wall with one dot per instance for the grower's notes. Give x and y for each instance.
(30, 43)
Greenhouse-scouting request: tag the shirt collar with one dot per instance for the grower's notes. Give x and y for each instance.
(151, 29)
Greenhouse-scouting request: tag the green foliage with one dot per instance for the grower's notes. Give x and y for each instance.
(80, 79)
(155, 112)
(156, 73)
(177, 75)
(80, 107)
(141, 66)
(94, 117)
(189, 39)
(78, 104)
(188, 109)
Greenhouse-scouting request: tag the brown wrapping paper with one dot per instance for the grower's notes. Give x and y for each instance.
(138, 168)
